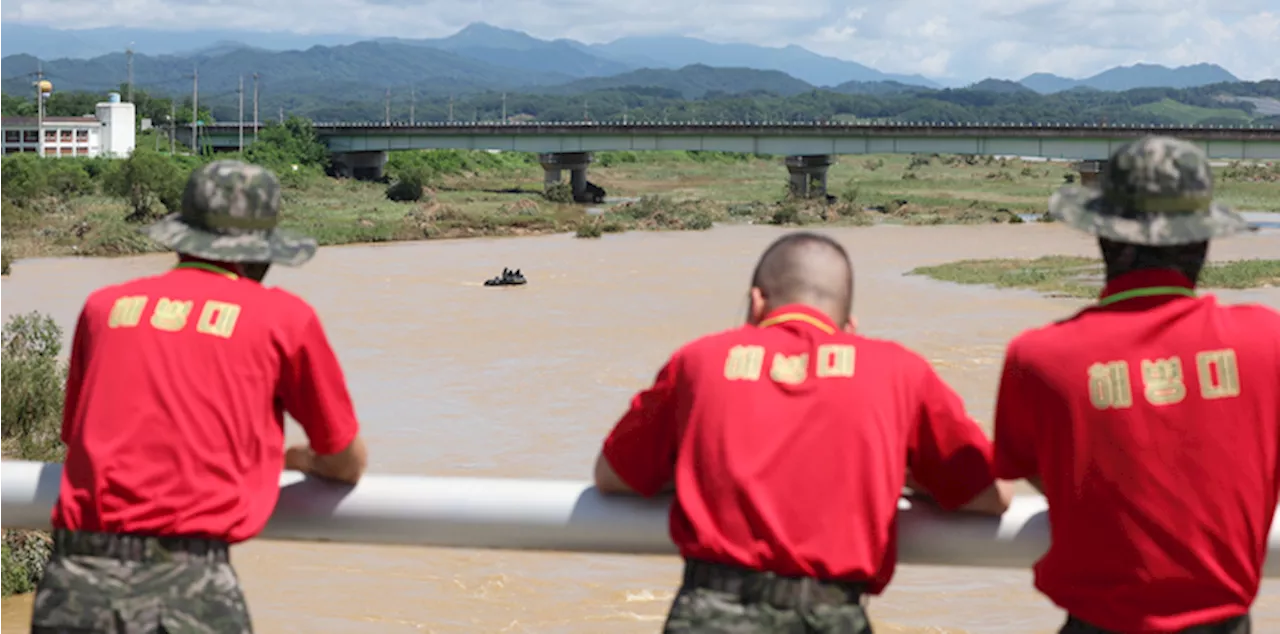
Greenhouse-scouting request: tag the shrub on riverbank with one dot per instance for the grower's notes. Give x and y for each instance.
(1070, 276)
(24, 558)
(30, 424)
(410, 186)
(32, 377)
(792, 211)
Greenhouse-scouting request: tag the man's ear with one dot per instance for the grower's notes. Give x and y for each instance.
(851, 326)
(758, 306)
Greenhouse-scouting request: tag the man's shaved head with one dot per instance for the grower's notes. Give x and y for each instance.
(806, 268)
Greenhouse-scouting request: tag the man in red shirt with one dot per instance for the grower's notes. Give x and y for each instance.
(788, 442)
(174, 420)
(1150, 420)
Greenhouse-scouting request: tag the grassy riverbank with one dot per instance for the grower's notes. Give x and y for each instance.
(57, 207)
(29, 427)
(1070, 276)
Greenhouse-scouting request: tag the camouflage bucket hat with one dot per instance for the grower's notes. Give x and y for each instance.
(1155, 191)
(229, 214)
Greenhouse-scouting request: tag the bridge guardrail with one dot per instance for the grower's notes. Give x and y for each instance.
(554, 515)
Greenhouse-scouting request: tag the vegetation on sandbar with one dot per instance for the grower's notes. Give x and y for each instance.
(1072, 276)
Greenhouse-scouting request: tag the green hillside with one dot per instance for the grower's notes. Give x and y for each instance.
(1183, 113)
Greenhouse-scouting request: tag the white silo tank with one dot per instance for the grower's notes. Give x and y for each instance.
(119, 127)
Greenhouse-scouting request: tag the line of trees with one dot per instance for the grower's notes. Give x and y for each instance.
(78, 103)
(149, 181)
(1145, 106)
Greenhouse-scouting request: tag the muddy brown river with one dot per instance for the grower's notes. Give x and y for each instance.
(451, 378)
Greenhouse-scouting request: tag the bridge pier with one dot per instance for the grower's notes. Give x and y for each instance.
(365, 166)
(809, 174)
(1090, 172)
(553, 163)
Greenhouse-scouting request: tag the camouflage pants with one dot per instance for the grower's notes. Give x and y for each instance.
(1237, 625)
(759, 603)
(97, 583)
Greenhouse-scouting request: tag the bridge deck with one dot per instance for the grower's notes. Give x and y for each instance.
(1072, 142)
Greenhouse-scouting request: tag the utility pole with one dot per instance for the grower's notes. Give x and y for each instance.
(586, 116)
(195, 110)
(386, 103)
(39, 107)
(504, 107)
(240, 92)
(450, 107)
(413, 101)
(173, 122)
(255, 106)
(128, 54)
(281, 114)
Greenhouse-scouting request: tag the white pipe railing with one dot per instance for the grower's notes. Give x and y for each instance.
(557, 515)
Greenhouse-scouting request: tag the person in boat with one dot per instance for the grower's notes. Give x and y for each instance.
(509, 277)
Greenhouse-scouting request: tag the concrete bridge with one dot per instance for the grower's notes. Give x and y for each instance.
(360, 149)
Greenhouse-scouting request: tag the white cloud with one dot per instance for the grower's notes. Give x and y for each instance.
(953, 39)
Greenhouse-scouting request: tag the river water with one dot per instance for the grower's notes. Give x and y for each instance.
(451, 378)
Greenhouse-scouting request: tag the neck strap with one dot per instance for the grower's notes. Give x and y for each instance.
(1149, 291)
(205, 266)
(808, 319)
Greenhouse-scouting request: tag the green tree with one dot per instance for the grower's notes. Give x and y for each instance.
(25, 179)
(15, 106)
(152, 184)
(68, 178)
(72, 104)
(182, 115)
(294, 142)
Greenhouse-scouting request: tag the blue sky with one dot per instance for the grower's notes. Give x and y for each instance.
(950, 39)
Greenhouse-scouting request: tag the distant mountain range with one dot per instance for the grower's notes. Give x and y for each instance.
(479, 58)
(1123, 78)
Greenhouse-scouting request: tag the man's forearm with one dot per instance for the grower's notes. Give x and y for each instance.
(994, 500)
(346, 466)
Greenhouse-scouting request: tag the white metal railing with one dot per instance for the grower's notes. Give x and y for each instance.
(558, 515)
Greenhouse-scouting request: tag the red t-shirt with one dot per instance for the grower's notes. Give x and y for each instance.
(174, 415)
(789, 445)
(1153, 420)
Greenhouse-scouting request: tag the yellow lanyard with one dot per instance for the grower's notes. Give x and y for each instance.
(1150, 291)
(207, 267)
